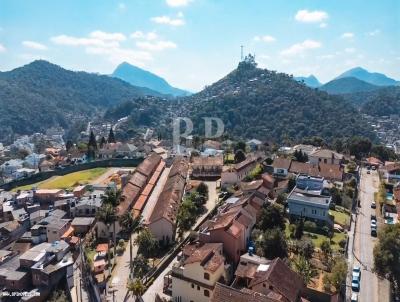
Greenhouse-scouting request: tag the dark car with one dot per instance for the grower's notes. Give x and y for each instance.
(373, 217)
(373, 231)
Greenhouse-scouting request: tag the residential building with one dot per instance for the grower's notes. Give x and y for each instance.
(82, 225)
(331, 172)
(281, 166)
(234, 174)
(197, 271)
(232, 226)
(162, 220)
(391, 172)
(308, 201)
(254, 144)
(207, 167)
(325, 156)
(47, 195)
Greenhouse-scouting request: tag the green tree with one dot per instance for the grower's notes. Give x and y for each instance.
(303, 267)
(239, 146)
(69, 145)
(299, 229)
(202, 189)
(273, 244)
(112, 197)
(136, 288)
(186, 216)
(131, 225)
(140, 266)
(147, 243)
(111, 137)
(387, 253)
(108, 216)
(239, 156)
(103, 142)
(271, 217)
(92, 146)
(305, 247)
(326, 250)
(337, 277)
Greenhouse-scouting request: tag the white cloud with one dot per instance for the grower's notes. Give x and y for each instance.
(75, 41)
(156, 46)
(350, 50)
(98, 34)
(374, 32)
(168, 20)
(347, 35)
(34, 45)
(266, 38)
(300, 48)
(307, 16)
(146, 36)
(118, 55)
(2, 48)
(323, 25)
(177, 3)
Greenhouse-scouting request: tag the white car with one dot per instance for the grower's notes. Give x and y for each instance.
(373, 223)
(356, 272)
(354, 297)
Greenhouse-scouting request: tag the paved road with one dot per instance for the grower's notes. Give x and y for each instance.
(121, 271)
(157, 286)
(364, 242)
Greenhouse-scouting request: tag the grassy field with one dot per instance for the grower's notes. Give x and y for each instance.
(68, 181)
(341, 217)
(317, 239)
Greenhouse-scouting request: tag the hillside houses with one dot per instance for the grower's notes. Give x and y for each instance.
(232, 175)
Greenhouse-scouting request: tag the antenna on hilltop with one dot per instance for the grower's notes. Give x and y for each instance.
(241, 52)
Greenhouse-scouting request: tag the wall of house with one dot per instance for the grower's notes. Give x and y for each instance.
(185, 291)
(315, 160)
(54, 234)
(163, 230)
(308, 210)
(229, 178)
(233, 246)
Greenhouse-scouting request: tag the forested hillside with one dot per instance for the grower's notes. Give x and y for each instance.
(39, 95)
(264, 104)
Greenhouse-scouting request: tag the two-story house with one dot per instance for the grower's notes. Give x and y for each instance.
(308, 201)
(199, 268)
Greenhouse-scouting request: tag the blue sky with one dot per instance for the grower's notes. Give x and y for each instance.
(193, 43)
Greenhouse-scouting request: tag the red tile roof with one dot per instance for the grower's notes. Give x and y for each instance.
(208, 254)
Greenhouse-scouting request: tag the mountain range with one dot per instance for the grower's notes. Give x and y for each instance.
(143, 78)
(40, 95)
(353, 80)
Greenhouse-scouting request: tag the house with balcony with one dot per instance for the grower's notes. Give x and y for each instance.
(391, 172)
(308, 200)
(197, 271)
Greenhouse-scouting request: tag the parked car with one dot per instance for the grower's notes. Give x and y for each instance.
(356, 273)
(373, 168)
(373, 205)
(373, 223)
(355, 285)
(368, 172)
(354, 297)
(373, 217)
(373, 231)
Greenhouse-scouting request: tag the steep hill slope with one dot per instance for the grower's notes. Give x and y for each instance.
(347, 85)
(41, 94)
(259, 103)
(385, 101)
(143, 78)
(374, 78)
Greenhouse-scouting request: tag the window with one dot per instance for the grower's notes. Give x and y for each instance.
(325, 160)
(207, 276)
(271, 287)
(198, 287)
(264, 285)
(192, 285)
(206, 293)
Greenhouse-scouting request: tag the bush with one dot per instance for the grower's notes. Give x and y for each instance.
(121, 243)
(310, 226)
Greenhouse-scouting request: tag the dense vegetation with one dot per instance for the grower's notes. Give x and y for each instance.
(385, 101)
(41, 94)
(259, 103)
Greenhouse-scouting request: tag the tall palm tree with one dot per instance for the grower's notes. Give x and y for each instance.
(136, 287)
(112, 197)
(107, 215)
(132, 225)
